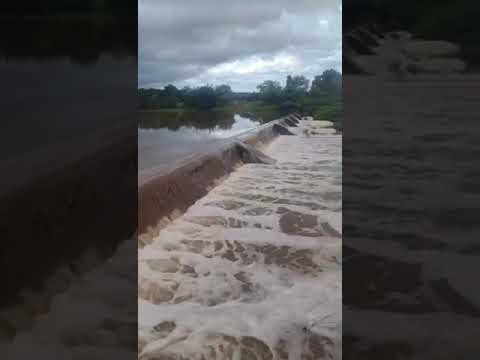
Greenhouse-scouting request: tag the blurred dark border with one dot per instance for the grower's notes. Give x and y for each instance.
(410, 183)
(69, 152)
(82, 38)
(455, 21)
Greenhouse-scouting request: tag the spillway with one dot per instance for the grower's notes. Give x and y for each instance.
(251, 269)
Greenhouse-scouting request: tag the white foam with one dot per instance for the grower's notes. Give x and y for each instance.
(257, 257)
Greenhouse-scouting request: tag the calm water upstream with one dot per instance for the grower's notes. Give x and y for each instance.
(165, 137)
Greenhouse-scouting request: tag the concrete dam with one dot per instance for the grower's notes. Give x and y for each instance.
(240, 248)
(239, 257)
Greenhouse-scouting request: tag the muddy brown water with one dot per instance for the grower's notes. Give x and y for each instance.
(252, 270)
(164, 138)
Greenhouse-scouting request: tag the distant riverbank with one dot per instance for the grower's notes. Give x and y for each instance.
(253, 109)
(321, 98)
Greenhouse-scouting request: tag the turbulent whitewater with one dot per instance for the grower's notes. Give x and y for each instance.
(253, 269)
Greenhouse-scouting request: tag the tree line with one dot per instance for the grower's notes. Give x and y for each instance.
(170, 97)
(295, 95)
(297, 91)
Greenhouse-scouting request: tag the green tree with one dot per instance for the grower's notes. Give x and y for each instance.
(223, 90)
(224, 94)
(203, 98)
(171, 90)
(329, 81)
(270, 91)
(297, 84)
(170, 97)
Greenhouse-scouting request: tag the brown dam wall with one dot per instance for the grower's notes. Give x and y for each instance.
(166, 193)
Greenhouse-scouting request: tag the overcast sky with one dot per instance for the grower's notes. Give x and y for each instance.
(236, 42)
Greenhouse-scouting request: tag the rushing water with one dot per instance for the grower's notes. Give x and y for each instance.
(253, 269)
(166, 137)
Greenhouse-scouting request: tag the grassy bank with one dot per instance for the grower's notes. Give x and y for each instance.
(332, 112)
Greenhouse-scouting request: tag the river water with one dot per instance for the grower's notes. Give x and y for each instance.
(166, 137)
(253, 269)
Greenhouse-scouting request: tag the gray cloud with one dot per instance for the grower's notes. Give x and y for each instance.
(191, 42)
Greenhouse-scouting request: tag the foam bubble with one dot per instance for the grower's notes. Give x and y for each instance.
(252, 270)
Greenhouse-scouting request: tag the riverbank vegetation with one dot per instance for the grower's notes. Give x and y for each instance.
(321, 98)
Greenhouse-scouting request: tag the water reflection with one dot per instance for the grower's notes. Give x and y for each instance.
(164, 137)
(201, 120)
